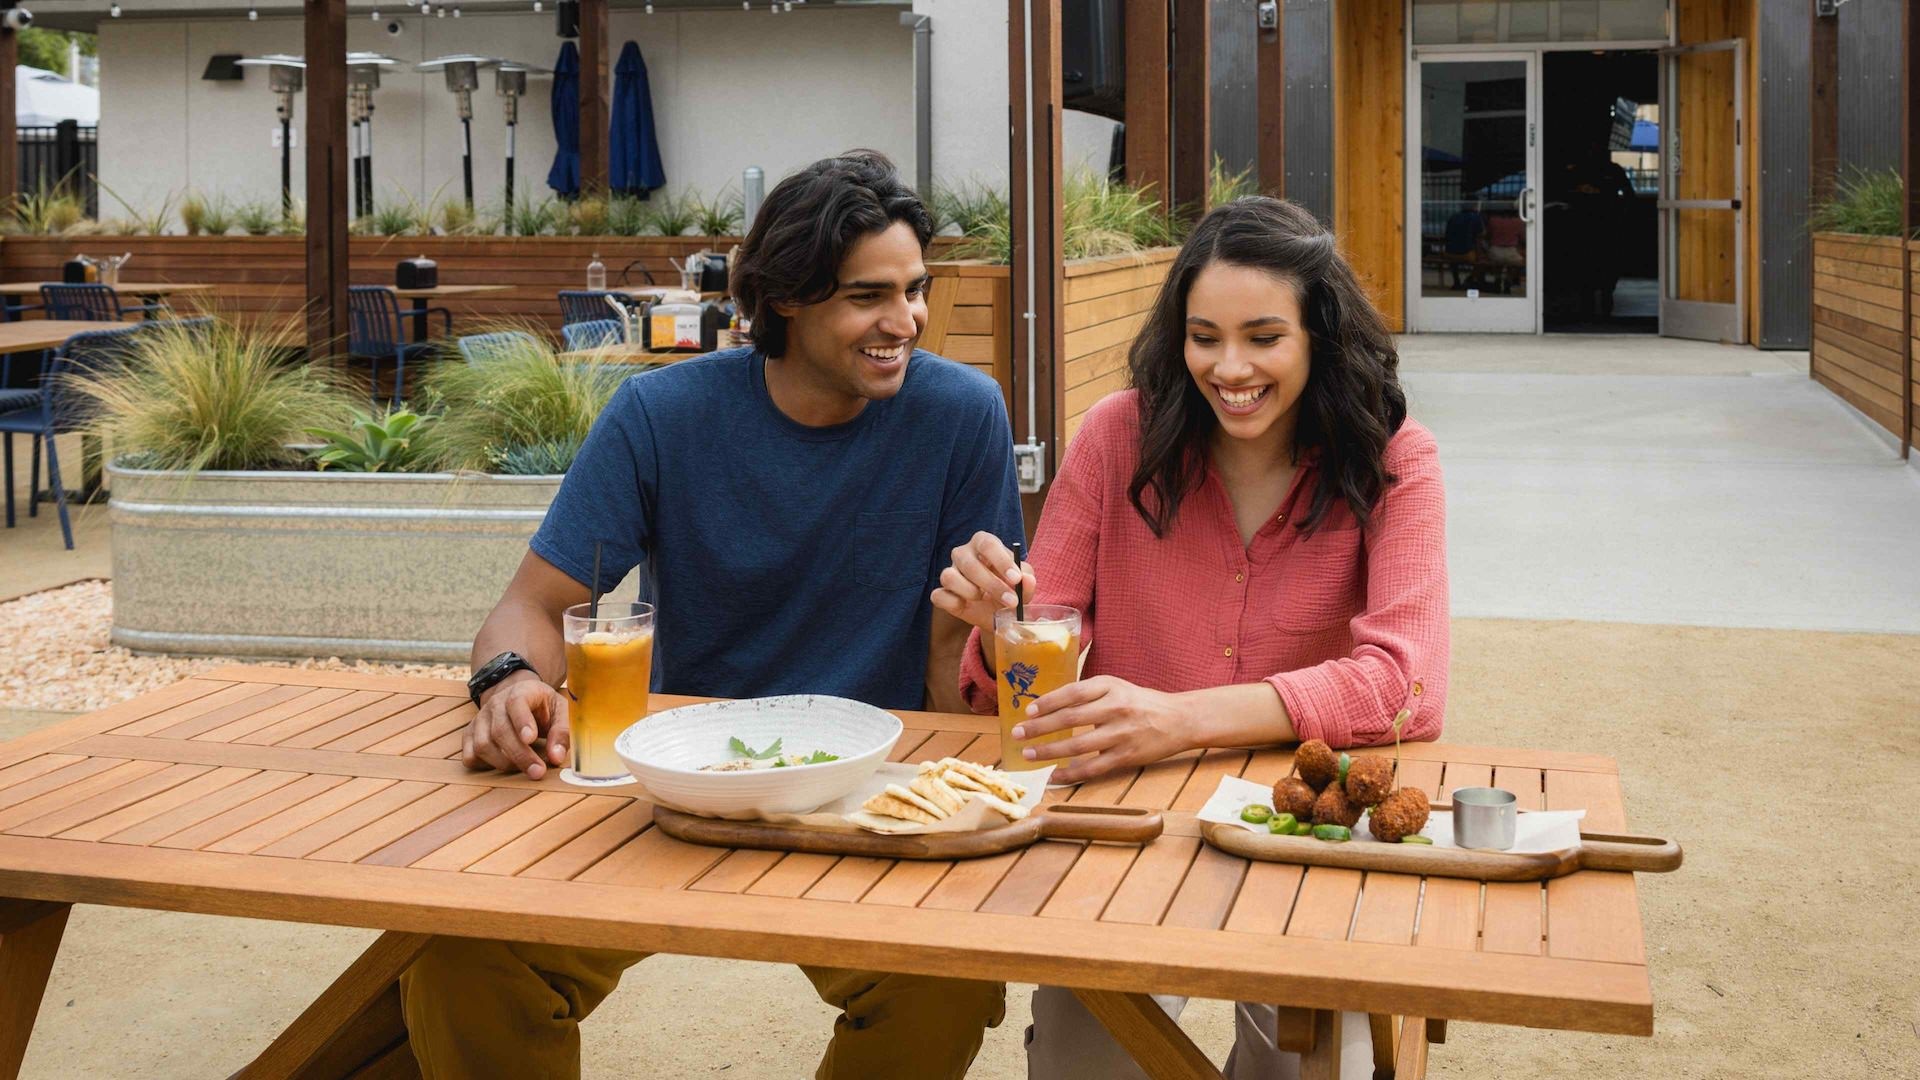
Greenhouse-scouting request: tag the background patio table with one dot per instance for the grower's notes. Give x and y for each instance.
(422, 298)
(338, 798)
(149, 292)
(626, 354)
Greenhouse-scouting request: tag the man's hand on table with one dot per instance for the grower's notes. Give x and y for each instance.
(512, 715)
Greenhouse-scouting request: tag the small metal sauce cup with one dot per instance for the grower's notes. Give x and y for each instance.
(1485, 818)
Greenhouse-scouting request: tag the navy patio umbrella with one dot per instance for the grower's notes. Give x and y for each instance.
(564, 177)
(634, 143)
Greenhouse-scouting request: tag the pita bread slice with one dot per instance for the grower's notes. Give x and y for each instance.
(931, 787)
(886, 805)
(1013, 811)
(960, 781)
(916, 799)
(996, 782)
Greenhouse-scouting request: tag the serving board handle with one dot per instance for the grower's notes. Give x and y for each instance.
(1119, 824)
(1644, 854)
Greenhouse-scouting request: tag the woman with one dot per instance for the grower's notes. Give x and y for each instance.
(1255, 536)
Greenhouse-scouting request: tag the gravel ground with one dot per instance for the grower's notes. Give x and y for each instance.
(54, 655)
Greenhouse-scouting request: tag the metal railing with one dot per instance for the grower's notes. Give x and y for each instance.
(66, 153)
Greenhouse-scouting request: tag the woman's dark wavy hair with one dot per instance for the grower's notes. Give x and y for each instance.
(1352, 403)
(804, 228)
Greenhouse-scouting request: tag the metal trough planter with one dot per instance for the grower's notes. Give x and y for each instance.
(302, 564)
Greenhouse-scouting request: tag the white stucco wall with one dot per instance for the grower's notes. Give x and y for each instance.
(730, 89)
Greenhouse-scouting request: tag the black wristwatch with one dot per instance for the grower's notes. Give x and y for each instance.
(493, 671)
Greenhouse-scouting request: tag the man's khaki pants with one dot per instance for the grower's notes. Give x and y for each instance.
(479, 1008)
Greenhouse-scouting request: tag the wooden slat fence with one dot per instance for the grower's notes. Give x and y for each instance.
(1856, 324)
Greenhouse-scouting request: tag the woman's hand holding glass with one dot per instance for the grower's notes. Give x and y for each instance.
(1130, 726)
(981, 581)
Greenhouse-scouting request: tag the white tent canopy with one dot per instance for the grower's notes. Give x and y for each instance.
(43, 98)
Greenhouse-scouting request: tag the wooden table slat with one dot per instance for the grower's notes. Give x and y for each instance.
(1463, 775)
(850, 879)
(1449, 914)
(309, 697)
(1205, 778)
(205, 807)
(1084, 891)
(577, 855)
(445, 724)
(326, 712)
(968, 883)
(238, 693)
(115, 798)
(430, 714)
(254, 703)
(1324, 907)
(737, 870)
(310, 838)
(448, 828)
(153, 806)
(1388, 905)
(107, 779)
(907, 883)
(299, 816)
(793, 875)
(32, 767)
(71, 770)
(478, 843)
(1148, 889)
(1265, 902)
(221, 826)
(1207, 895)
(342, 726)
(1513, 919)
(547, 837)
(1035, 875)
(653, 860)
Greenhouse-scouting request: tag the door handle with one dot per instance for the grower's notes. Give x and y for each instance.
(1526, 205)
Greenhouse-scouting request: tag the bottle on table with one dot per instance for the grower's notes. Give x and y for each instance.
(596, 273)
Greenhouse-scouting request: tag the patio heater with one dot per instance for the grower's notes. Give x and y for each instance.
(463, 78)
(363, 78)
(510, 83)
(285, 77)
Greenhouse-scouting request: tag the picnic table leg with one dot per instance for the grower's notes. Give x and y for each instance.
(1154, 1039)
(30, 932)
(1411, 1062)
(1386, 1049)
(419, 317)
(1323, 1061)
(355, 1022)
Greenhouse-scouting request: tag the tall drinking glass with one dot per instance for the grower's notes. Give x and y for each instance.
(1032, 656)
(609, 668)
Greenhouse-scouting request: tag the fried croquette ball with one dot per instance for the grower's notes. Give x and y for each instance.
(1369, 780)
(1332, 808)
(1317, 763)
(1402, 813)
(1294, 796)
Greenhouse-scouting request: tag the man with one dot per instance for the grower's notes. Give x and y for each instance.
(789, 501)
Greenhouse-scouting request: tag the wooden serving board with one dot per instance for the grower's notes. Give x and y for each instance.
(1597, 851)
(1114, 824)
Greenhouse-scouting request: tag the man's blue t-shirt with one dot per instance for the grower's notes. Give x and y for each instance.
(786, 558)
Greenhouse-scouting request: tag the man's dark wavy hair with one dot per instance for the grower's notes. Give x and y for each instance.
(803, 231)
(1352, 403)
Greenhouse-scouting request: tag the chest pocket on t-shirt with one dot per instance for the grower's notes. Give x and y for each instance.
(893, 550)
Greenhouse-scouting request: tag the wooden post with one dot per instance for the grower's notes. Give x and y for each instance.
(1192, 104)
(9, 134)
(593, 97)
(1270, 87)
(1037, 296)
(1146, 109)
(1909, 217)
(326, 77)
(1823, 77)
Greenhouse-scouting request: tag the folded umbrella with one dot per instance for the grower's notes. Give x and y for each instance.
(564, 177)
(633, 142)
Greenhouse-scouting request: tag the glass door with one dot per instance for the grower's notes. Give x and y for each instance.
(1703, 234)
(1474, 210)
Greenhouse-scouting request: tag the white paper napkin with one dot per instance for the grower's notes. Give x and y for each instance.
(1535, 831)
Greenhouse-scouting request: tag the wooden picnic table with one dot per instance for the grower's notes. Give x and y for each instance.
(337, 798)
(423, 298)
(149, 292)
(32, 335)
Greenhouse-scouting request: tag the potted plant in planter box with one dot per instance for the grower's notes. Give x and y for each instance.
(234, 535)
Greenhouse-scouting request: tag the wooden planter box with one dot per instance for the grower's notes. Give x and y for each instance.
(1856, 323)
(1107, 301)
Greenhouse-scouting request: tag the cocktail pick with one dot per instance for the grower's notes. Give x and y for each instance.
(1019, 599)
(593, 596)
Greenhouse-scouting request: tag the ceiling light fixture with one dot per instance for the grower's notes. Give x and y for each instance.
(114, 11)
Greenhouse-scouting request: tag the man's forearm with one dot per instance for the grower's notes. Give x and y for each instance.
(522, 627)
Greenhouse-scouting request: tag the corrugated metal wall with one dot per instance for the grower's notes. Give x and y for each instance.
(1235, 98)
(1785, 252)
(1869, 82)
(1309, 62)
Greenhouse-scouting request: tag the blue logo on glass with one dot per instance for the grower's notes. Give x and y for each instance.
(1020, 677)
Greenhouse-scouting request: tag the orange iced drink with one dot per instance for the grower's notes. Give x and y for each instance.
(1031, 658)
(609, 669)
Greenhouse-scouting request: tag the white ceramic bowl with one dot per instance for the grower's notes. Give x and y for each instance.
(666, 750)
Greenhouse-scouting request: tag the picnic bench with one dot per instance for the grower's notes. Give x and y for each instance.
(338, 798)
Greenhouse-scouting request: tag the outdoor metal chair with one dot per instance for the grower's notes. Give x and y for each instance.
(480, 348)
(91, 302)
(586, 305)
(377, 331)
(60, 410)
(592, 335)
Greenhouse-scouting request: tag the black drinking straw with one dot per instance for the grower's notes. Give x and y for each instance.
(1019, 601)
(593, 600)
